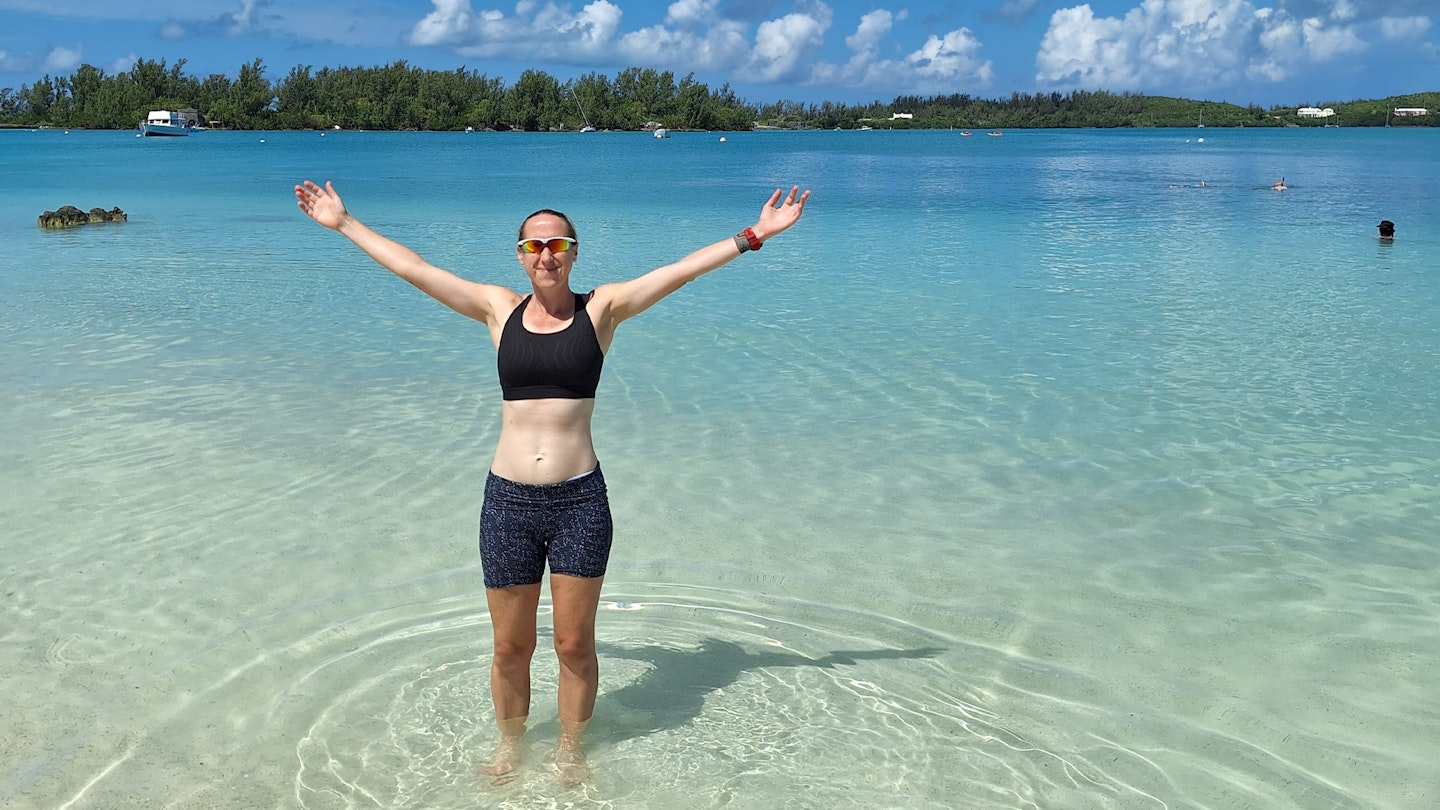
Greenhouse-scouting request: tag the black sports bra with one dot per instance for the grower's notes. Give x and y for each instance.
(558, 365)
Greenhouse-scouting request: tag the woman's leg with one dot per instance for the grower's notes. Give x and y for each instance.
(577, 599)
(512, 618)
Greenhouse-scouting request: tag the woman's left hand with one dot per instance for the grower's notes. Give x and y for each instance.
(776, 216)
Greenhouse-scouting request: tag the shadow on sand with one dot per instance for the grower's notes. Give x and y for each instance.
(672, 693)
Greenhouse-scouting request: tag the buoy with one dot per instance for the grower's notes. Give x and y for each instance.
(722, 139)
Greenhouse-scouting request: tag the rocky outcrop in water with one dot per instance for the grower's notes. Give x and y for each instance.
(69, 216)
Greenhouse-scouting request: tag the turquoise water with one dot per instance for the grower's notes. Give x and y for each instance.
(1013, 476)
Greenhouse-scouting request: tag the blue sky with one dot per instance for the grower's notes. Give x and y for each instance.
(1286, 52)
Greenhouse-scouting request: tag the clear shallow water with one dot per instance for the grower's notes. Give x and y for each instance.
(1011, 477)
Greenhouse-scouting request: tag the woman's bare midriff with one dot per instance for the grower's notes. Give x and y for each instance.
(544, 441)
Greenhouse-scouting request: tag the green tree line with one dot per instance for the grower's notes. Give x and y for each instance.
(1094, 109)
(391, 97)
(399, 96)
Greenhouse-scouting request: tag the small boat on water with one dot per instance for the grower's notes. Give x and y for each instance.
(997, 133)
(587, 126)
(965, 133)
(164, 122)
(662, 133)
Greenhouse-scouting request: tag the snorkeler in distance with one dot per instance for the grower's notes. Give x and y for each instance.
(1387, 231)
(545, 502)
(1280, 185)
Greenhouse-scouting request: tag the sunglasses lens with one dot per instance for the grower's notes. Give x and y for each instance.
(556, 245)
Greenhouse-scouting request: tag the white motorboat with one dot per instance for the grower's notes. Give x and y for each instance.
(164, 122)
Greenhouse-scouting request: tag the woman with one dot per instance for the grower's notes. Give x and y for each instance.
(545, 497)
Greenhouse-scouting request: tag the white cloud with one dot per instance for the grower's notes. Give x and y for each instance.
(448, 24)
(1082, 50)
(1403, 27)
(695, 36)
(941, 64)
(1343, 10)
(720, 47)
(1194, 43)
(123, 64)
(594, 27)
(536, 30)
(873, 29)
(243, 20)
(1324, 42)
(14, 63)
(785, 48)
(64, 60)
(691, 13)
(952, 57)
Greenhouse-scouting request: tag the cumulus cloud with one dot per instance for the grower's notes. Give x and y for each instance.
(696, 35)
(873, 29)
(941, 64)
(690, 14)
(594, 26)
(721, 46)
(535, 30)
(953, 56)
(785, 48)
(1325, 41)
(449, 24)
(1196, 43)
(241, 21)
(1403, 27)
(123, 64)
(14, 63)
(64, 60)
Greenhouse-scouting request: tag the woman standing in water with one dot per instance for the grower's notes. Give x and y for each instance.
(545, 497)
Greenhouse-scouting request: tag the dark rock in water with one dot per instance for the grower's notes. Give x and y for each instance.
(69, 216)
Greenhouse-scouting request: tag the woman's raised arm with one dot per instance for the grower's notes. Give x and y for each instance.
(630, 298)
(468, 298)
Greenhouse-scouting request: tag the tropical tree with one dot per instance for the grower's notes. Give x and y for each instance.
(533, 103)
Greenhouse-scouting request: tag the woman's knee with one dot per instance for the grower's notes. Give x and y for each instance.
(514, 651)
(576, 651)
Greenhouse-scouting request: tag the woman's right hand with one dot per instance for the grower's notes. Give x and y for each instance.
(321, 204)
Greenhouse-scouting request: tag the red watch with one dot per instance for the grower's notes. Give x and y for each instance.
(749, 234)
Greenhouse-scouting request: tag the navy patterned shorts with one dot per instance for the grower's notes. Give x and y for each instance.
(523, 526)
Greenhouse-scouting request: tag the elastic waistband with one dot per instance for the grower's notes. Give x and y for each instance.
(514, 492)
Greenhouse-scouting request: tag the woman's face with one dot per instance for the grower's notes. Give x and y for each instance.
(547, 267)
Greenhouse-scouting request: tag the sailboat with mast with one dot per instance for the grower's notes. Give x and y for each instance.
(586, 127)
